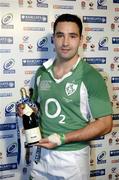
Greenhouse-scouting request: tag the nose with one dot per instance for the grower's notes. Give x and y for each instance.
(66, 41)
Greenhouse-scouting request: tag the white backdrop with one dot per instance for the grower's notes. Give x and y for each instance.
(25, 42)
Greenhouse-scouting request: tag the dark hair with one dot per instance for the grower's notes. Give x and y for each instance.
(69, 18)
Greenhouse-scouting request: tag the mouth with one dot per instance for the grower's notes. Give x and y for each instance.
(64, 50)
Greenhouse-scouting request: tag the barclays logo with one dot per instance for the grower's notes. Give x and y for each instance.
(7, 84)
(6, 40)
(94, 19)
(33, 18)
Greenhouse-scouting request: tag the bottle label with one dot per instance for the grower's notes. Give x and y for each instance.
(32, 135)
(27, 110)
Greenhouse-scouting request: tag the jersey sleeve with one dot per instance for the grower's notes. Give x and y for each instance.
(99, 101)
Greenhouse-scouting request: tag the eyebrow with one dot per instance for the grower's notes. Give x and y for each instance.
(72, 33)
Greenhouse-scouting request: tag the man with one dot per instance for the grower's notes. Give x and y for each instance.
(71, 93)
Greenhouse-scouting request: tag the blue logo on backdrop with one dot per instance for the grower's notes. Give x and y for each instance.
(115, 79)
(102, 45)
(5, 127)
(114, 153)
(101, 4)
(7, 84)
(95, 60)
(115, 40)
(115, 116)
(8, 65)
(10, 109)
(11, 150)
(5, 167)
(41, 44)
(115, 1)
(6, 136)
(99, 172)
(33, 18)
(33, 62)
(101, 157)
(94, 19)
(6, 40)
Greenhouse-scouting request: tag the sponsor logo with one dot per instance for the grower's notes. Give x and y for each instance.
(42, 3)
(62, 7)
(93, 29)
(94, 19)
(101, 158)
(115, 1)
(115, 79)
(42, 44)
(116, 19)
(99, 172)
(6, 136)
(10, 109)
(101, 4)
(6, 40)
(4, 167)
(34, 28)
(102, 44)
(115, 116)
(9, 94)
(7, 176)
(8, 66)
(10, 126)
(96, 145)
(33, 62)
(115, 40)
(11, 150)
(4, 4)
(5, 50)
(95, 60)
(7, 19)
(7, 84)
(114, 153)
(33, 18)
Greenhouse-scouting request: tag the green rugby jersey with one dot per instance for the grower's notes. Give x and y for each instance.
(69, 103)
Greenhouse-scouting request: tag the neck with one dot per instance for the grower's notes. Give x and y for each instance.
(63, 67)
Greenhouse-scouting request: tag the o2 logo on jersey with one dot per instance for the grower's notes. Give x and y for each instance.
(57, 110)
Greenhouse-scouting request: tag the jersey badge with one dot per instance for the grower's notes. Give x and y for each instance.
(70, 88)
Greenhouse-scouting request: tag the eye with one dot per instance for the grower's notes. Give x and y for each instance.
(59, 35)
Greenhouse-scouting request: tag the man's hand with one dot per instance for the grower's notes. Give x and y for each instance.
(46, 143)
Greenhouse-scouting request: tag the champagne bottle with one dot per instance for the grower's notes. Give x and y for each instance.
(30, 124)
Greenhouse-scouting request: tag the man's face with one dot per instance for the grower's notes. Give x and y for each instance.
(67, 40)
